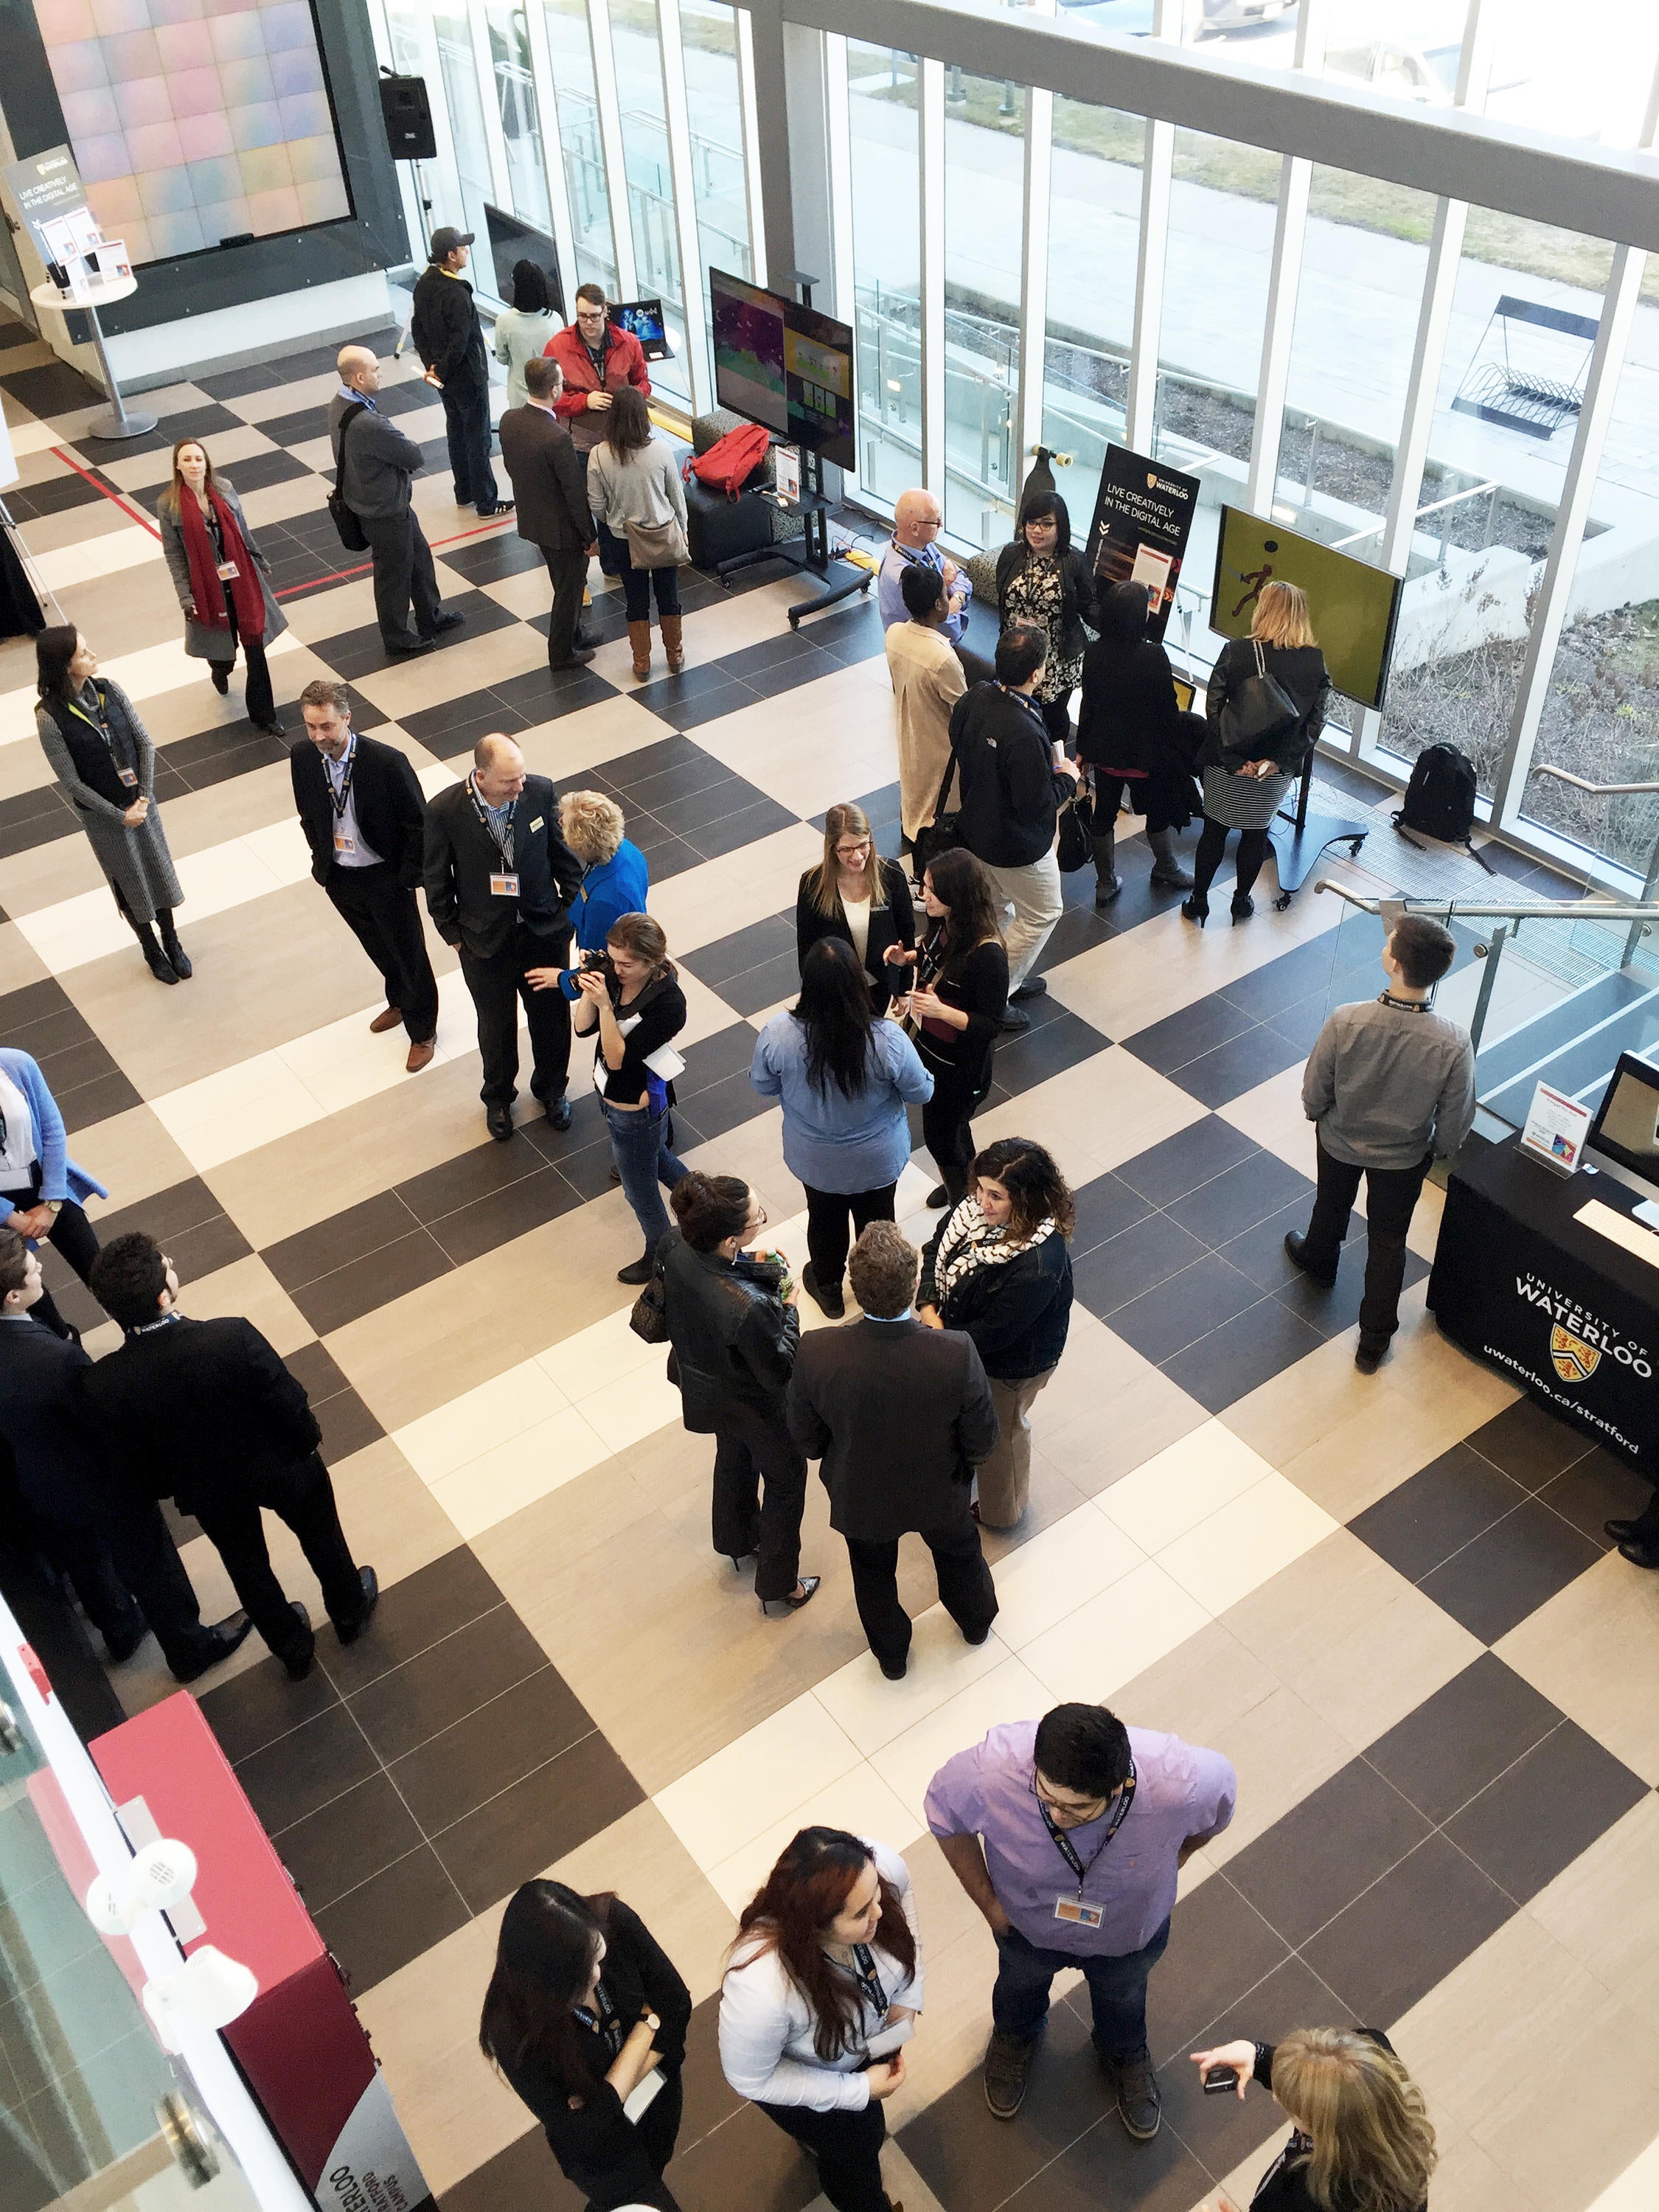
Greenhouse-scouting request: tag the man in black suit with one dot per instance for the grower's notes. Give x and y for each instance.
(364, 817)
(499, 880)
(205, 1412)
(444, 325)
(899, 1415)
(116, 1550)
(549, 488)
(378, 465)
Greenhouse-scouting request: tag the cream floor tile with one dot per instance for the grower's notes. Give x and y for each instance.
(510, 1405)
(326, 614)
(238, 1110)
(1602, 1908)
(503, 1481)
(644, 1862)
(225, 448)
(1115, 1636)
(1246, 1540)
(1593, 1649)
(110, 553)
(1271, 1115)
(1148, 1413)
(392, 1522)
(20, 963)
(1183, 1486)
(1096, 1115)
(873, 1711)
(288, 399)
(722, 895)
(1637, 2187)
(468, 667)
(524, 594)
(281, 502)
(248, 1288)
(782, 1764)
(1057, 1570)
(133, 1155)
(1202, 1691)
(1282, 1751)
(622, 1413)
(858, 1802)
(64, 870)
(75, 525)
(1011, 1691)
(838, 739)
(567, 747)
(597, 1357)
(342, 1063)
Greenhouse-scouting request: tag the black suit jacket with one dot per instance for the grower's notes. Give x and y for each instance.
(462, 855)
(550, 484)
(58, 1465)
(389, 805)
(899, 1415)
(892, 922)
(202, 1411)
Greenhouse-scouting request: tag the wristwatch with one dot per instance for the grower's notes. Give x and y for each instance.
(651, 2021)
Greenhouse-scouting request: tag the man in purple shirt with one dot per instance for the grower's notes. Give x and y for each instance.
(1068, 1833)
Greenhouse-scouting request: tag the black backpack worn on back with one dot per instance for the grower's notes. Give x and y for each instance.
(1440, 797)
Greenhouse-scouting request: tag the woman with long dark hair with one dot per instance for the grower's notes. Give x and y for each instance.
(998, 1269)
(733, 1320)
(1361, 2139)
(522, 330)
(633, 476)
(1043, 583)
(822, 1992)
(845, 1078)
(585, 2018)
(957, 1004)
(1128, 725)
(853, 893)
(101, 754)
(219, 574)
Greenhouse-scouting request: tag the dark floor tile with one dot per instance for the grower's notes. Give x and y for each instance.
(1181, 1037)
(415, 1612)
(1167, 1171)
(343, 1843)
(537, 1820)
(1596, 1489)
(713, 802)
(1510, 1569)
(761, 818)
(1534, 1820)
(452, 1773)
(726, 958)
(487, 1222)
(1331, 1312)
(402, 1710)
(331, 1301)
(310, 1766)
(1267, 990)
(1315, 1860)
(1438, 1510)
(471, 709)
(39, 1001)
(348, 1427)
(1235, 1200)
(1162, 1322)
(1407, 1932)
(54, 388)
(1105, 1208)
(53, 495)
(749, 2161)
(720, 1107)
(1126, 1265)
(1219, 1947)
(526, 2177)
(1260, 1252)
(1239, 1065)
(255, 1708)
(1531, 1446)
(730, 1051)
(1080, 929)
(317, 1372)
(763, 985)
(789, 675)
(391, 1919)
(683, 712)
(1107, 2166)
(556, 692)
(1241, 1355)
(256, 472)
(237, 383)
(1460, 1739)
(1062, 1042)
(487, 560)
(95, 1100)
(467, 1180)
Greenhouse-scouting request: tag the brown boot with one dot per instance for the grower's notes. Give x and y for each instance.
(639, 637)
(671, 642)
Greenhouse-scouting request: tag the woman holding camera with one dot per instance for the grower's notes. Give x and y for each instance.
(854, 893)
(636, 1006)
(822, 1992)
(585, 2010)
(845, 1078)
(732, 1320)
(956, 1006)
(1361, 2139)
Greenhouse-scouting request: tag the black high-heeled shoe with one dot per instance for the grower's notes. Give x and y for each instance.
(1195, 909)
(809, 1585)
(1243, 908)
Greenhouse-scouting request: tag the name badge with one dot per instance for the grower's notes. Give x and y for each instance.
(1079, 1914)
(344, 844)
(129, 780)
(227, 572)
(537, 825)
(504, 886)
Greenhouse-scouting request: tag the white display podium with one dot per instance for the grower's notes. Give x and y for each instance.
(115, 421)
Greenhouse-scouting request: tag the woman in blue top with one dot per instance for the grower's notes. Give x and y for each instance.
(845, 1078)
(40, 1187)
(615, 879)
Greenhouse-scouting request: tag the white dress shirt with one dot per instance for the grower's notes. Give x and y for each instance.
(356, 852)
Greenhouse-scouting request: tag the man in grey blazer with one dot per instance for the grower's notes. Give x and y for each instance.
(380, 464)
(898, 1415)
(549, 487)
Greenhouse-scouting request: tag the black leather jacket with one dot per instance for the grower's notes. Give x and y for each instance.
(734, 1339)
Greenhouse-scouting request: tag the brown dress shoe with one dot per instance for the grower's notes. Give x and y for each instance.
(387, 1018)
(419, 1055)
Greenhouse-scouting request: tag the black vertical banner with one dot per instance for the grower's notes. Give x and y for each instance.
(1142, 519)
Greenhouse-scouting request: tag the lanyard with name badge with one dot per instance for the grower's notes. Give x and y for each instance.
(604, 2019)
(1074, 1909)
(505, 882)
(128, 780)
(340, 800)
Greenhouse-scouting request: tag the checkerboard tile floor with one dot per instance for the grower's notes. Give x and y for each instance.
(1389, 1601)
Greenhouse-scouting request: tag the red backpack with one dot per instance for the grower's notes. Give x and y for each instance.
(731, 460)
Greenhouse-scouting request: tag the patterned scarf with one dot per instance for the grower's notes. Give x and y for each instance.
(970, 1242)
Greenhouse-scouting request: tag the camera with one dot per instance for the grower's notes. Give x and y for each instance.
(595, 963)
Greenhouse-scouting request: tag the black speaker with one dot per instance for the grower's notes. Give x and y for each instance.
(408, 115)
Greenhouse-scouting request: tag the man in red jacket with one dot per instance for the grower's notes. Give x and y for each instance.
(597, 358)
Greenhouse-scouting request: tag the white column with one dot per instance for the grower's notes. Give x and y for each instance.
(547, 107)
(1157, 165)
(683, 186)
(1034, 283)
(751, 161)
(611, 141)
(775, 207)
(930, 167)
(501, 176)
(1289, 233)
(838, 130)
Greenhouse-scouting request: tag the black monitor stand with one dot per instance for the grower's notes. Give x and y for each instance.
(814, 510)
(1298, 839)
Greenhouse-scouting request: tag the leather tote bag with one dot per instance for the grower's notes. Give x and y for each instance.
(1256, 710)
(657, 545)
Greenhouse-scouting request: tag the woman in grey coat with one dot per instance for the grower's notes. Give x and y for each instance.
(633, 476)
(218, 572)
(101, 754)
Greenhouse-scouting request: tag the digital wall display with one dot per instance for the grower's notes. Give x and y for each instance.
(195, 122)
(1351, 605)
(783, 365)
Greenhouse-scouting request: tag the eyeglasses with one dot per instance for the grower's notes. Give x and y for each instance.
(853, 852)
(1078, 1816)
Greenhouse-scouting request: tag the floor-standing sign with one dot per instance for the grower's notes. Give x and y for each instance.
(1143, 517)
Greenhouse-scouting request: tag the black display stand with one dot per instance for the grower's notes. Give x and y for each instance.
(1298, 839)
(814, 508)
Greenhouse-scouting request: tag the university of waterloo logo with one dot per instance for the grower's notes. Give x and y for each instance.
(1573, 1359)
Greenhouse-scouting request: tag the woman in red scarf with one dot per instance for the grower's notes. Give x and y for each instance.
(218, 570)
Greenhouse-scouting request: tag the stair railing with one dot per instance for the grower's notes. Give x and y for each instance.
(1651, 888)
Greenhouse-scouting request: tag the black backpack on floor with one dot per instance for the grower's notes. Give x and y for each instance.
(1441, 795)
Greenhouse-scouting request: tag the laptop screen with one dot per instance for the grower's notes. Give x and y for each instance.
(1625, 1129)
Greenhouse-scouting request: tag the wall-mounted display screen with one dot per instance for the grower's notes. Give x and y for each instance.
(783, 365)
(1352, 607)
(195, 122)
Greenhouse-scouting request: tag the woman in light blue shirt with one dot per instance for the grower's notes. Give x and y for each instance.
(522, 330)
(845, 1076)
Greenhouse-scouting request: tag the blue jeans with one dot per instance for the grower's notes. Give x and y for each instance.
(1117, 1989)
(639, 1145)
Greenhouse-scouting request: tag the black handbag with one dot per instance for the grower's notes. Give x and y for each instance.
(1075, 847)
(649, 1319)
(1255, 711)
(940, 834)
(352, 534)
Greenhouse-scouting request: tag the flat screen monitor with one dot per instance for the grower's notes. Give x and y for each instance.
(784, 366)
(643, 319)
(1625, 1131)
(1352, 607)
(512, 240)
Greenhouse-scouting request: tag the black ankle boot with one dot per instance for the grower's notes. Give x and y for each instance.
(1196, 908)
(176, 953)
(1244, 907)
(154, 960)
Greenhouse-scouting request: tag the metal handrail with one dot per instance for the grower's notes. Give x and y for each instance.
(1473, 910)
(1596, 790)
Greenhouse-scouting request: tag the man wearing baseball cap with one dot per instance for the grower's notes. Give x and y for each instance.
(445, 328)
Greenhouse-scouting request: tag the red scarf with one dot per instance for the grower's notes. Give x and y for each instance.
(247, 594)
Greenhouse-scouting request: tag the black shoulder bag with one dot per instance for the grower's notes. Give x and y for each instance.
(352, 534)
(940, 834)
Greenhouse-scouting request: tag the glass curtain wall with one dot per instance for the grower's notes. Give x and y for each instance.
(571, 54)
(636, 49)
(713, 92)
(1094, 241)
(521, 123)
(458, 72)
(884, 105)
(984, 263)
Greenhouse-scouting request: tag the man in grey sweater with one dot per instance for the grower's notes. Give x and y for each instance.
(1390, 1086)
(380, 464)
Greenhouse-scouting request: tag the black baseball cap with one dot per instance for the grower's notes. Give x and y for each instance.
(445, 240)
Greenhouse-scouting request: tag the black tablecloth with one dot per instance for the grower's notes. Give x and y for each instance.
(1570, 1315)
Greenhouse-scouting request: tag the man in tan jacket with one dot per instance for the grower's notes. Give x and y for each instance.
(927, 682)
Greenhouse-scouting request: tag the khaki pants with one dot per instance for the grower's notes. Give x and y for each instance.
(1004, 1478)
(1030, 900)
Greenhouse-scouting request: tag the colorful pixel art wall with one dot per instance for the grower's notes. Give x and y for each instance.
(196, 120)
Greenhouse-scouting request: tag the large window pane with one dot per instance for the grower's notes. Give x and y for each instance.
(571, 56)
(636, 44)
(984, 240)
(521, 123)
(883, 117)
(458, 71)
(709, 36)
(1584, 77)
(1094, 237)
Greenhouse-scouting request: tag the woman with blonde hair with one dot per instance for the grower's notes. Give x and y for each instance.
(1361, 2140)
(854, 893)
(615, 878)
(219, 574)
(1265, 707)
